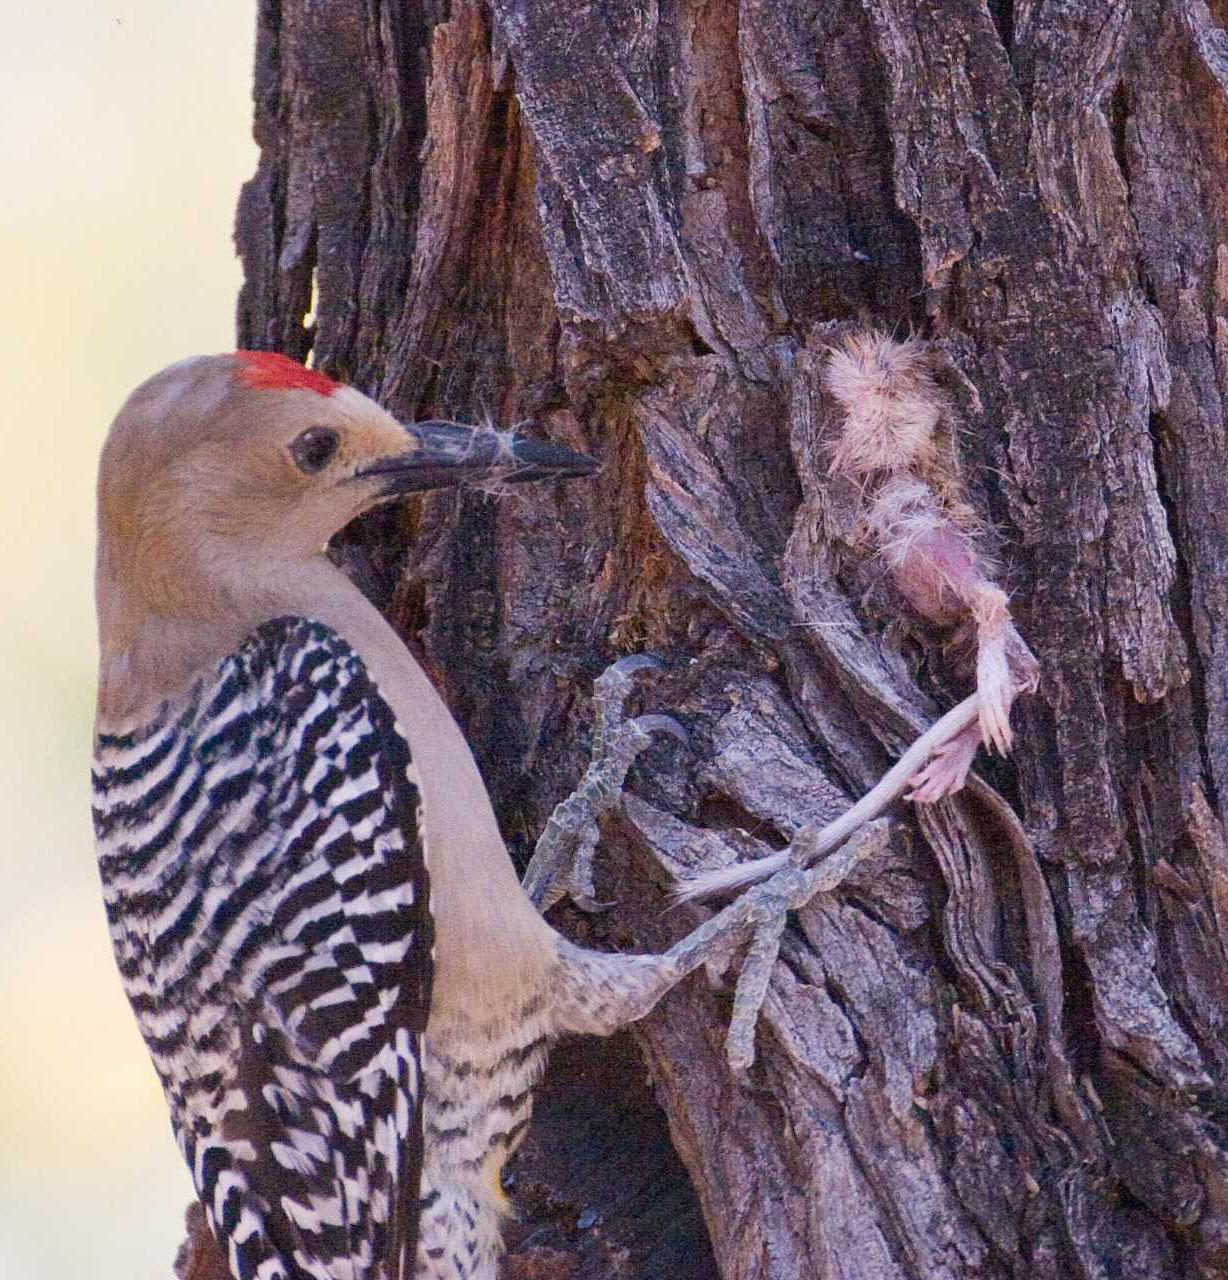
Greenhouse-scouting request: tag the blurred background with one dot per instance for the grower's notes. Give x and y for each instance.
(124, 138)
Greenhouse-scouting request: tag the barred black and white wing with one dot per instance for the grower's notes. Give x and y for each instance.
(269, 907)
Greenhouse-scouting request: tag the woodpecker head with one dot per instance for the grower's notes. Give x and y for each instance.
(220, 482)
(246, 461)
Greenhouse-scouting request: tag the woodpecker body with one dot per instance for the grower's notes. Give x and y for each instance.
(268, 906)
(345, 991)
(272, 771)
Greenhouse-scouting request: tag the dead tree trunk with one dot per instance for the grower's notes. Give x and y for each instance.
(1000, 1052)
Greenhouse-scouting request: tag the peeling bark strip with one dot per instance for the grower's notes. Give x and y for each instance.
(1001, 1050)
(610, 242)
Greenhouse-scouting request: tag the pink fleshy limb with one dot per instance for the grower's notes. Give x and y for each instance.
(994, 681)
(939, 570)
(947, 770)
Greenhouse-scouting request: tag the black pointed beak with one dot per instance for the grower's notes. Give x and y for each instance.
(444, 454)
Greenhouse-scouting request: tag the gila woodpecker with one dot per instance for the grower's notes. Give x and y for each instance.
(345, 991)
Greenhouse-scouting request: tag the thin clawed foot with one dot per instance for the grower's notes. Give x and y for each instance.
(947, 770)
(1006, 668)
(994, 716)
(758, 918)
(994, 681)
(562, 862)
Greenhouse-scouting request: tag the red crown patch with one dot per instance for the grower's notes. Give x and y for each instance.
(271, 371)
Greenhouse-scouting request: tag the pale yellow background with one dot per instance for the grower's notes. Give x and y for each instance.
(124, 135)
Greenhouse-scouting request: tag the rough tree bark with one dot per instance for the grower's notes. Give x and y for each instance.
(633, 224)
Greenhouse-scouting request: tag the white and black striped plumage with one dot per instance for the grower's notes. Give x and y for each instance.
(268, 902)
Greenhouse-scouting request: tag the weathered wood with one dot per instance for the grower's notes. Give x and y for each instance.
(633, 225)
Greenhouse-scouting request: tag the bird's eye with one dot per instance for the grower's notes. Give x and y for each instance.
(314, 449)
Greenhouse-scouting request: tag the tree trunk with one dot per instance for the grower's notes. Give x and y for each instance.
(634, 225)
